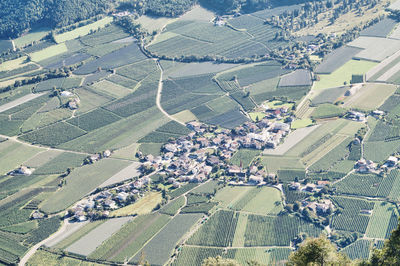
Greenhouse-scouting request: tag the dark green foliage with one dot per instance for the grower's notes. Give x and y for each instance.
(385, 131)
(218, 231)
(199, 208)
(61, 163)
(53, 135)
(14, 72)
(350, 218)
(276, 231)
(17, 15)
(94, 119)
(174, 127)
(127, 55)
(172, 207)
(360, 184)
(182, 190)
(195, 199)
(158, 137)
(355, 152)
(168, 8)
(287, 176)
(292, 196)
(45, 229)
(141, 100)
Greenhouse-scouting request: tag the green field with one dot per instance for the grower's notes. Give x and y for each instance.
(49, 52)
(82, 31)
(82, 181)
(343, 74)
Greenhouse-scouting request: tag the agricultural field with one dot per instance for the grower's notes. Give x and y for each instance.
(77, 187)
(82, 107)
(143, 206)
(370, 97)
(342, 75)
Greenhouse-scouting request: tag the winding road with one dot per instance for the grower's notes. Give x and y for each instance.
(158, 99)
(33, 249)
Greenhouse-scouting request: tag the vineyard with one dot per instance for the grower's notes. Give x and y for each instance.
(352, 217)
(218, 231)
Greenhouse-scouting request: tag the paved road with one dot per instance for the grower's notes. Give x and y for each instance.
(32, 251)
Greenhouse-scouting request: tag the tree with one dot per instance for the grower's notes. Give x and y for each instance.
(317, 251)
(219, 261)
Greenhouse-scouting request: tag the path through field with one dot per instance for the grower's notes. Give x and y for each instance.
(158, 99)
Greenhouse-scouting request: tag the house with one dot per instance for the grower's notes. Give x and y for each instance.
(93, 158)
(322, 183)
(366, 212)
(356, 116)
(254, 179)
(23, 170)
(392, 161)
(236, 170)
(66, 94)
(106, 153)
(213, 160)
(110, 204)
(170, 148)
(294, 186)
(73, 104)
(80, 216)
(122, 196)
(37, 215)
(378, 113)
(195, 126)
(149, 158)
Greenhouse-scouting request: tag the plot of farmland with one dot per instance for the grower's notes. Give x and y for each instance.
(82, 31)
(370, 97)
(13, 154)
(375, 49)
(204, 39)
(380, 220)
(342, 76)
(82, 181)
(128, 172)
(266, 201)
(88, 243)
(380, 29)
(336, 59)
(130, 239)
(291, 140)
(194, 69)
(358, 250)
(160, 248)
(299, 77)
(19, 101)
(124, 56)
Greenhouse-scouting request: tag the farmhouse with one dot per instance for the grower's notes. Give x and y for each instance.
(391, 161)
(23, 170)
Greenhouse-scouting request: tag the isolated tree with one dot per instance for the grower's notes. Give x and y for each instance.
(317, 251)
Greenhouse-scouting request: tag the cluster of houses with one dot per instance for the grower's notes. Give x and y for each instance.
(367, 166)
(356, 116)
(194, 157)
(100, 204)
(319, 207)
